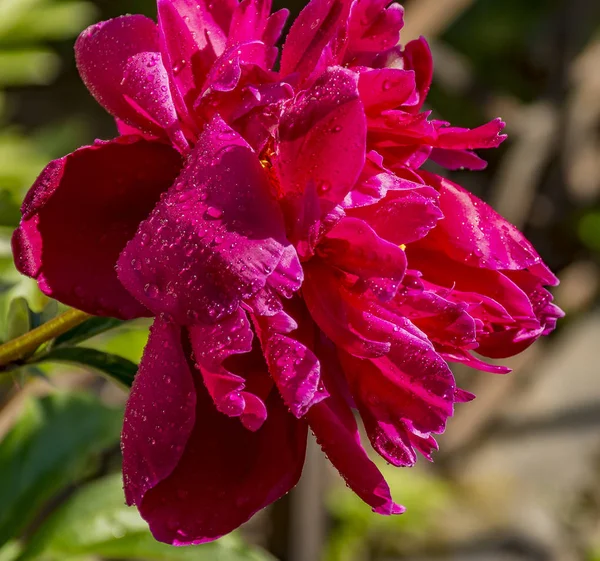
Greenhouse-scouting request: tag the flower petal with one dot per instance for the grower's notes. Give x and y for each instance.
(292, 364)
(160, 412)
(212, 345)
(373, 27)
(102, 52)
(81, 212)
(145, 86)
(403, 216)
(191, 39)
(336, 431)
(356, 248)
(320, 149)
(226, 473)
(312, 30)
(386, 88)
(213, 240)
(477, 235)
(417, 57)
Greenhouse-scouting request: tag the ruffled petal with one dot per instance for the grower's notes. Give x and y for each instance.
(226, 473)
(292, 364)
(333, 310)
(214, 238)
(80, 214)
(212, 345)
(160, 412)
(404, 396)
(102, 52)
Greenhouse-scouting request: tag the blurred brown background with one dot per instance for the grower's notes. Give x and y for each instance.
(518, 475)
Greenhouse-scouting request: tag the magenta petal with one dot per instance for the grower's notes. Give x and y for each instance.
(477, 235)
(312, 30)
(320, 149)
(213, 239)
(102, 52)
(373, 27)
(226, 474)
(145, 86)
(292, 365)
(457, 159)
(403, 396)
(403, 216)
(160, 412)
(386, 88)
(81, 212)
(356, 248)
(485, 136)
(191, 38)
(212, 346)
(334, 427)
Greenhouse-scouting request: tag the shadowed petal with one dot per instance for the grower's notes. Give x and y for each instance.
(81, 212)
(226, 473)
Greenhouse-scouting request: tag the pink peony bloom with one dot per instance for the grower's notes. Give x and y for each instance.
(299, 263)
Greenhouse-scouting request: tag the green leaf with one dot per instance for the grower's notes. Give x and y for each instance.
(19, 319)
(88, 329)
(97, 522)
(53, 444)
(114, 366)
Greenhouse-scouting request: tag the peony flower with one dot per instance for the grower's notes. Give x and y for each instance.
(299, 263)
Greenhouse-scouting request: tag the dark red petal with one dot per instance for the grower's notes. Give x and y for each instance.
(226, 474)
(160, 412)
(213, 239)
(81, 212)
(417, 57)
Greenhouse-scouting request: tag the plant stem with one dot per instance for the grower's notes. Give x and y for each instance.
(25, 345)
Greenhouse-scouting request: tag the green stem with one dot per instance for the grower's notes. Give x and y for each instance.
(23, 346)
